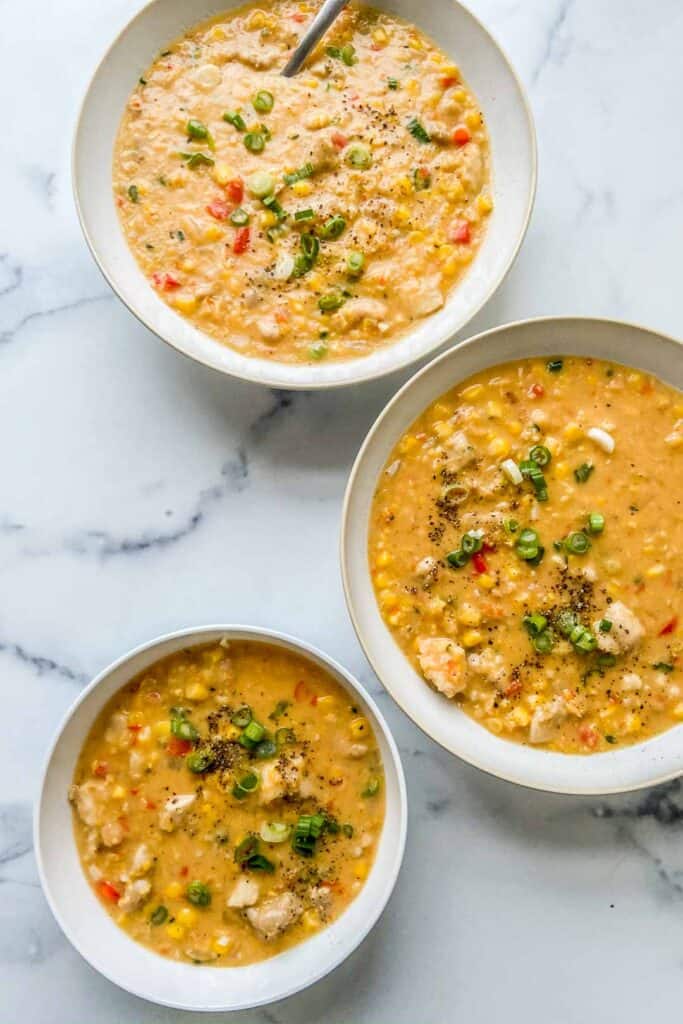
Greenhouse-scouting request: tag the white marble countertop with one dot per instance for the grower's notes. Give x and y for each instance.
(141, 493)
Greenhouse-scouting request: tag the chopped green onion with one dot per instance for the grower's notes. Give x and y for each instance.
(279, 709)
(663, 666)
(334, 52)
(358, 156)
(582, 472)
(196, 130)
(318, 350)
(577, 543)
(454, 494)
(457, 558)
(181, 728)
(610, 739)
(133, 194)
(596, 522)
(197, 159)
(253, 733)
(307, 831)
(606, 661)
(242, 717)
(265, 749)
(535, 623)
(304, 215)
(543, 643)
(372, 788)
(263, 101)
(284, 736)
(239, 217)
(585, 642)
(236, 120)
(471, 543)
(565, 622)
(260, 184)
(554, 365)
(422, 179)
(605, 625)
(511, 526)
(274, 831)
(418, 131)
(274, 206)
(355, 263)
(200, 761)
(347, 830)
(303, 172)
(348, 55)
(310, 247)
(198, 894)
(255, 142)
(330, 301)
(540, 455)
(247, 784)
(333, 227)
(257, 862)
(528, 546)
(392, 83)
(158, 916)
(272, 234)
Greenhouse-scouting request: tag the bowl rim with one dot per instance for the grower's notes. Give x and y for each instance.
(306, 650)
(446, 334)
(344, 540)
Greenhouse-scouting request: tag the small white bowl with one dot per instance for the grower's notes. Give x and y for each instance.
(643, 764)
(137, 969)
(513, 143)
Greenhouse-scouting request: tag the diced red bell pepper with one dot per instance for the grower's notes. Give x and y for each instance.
(165, 282)
(298, 16)
(670, 627)
(100, 768)
(448, 80)
(241, 243)
(488, 546)
(177, 747)
(461, 136)
(184, 871)
(218, 209)
(108, 893)
(536, 391)
(235, 190)
(479, 563)
(588, 735)
(339, 140)
(302, 692)
(462, 232)
(514, 689)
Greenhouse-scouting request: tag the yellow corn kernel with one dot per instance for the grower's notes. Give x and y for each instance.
(473, 120)
(635, 378)
(515, 427)
(633, 723)
(499, 447)
(472, 392)
(380, 37)
(360, 869)
(484, 204)
(217, 33)
(162, 729)
(311, 920)
(402, 215)
(455, 189)
(326, 702)
(485, 581)
(388, 600)
(415, 43)
(472, 638)
(311, 83)
(187, 916)
(445, 252)
(256, 19)
(316, 282)
(383, 559)
(175, 931)
(407, 444)
(173, 890)
(520, 716)
(302, 188)
(359, 728)
(136, 718)
(674, 439)
(513, 573)
(185, 303)
(223, 173)
(231, 733)
(267, 218)
(573, 432)
(451, 267)
(415, 237)
(452, 71)
(469, 615)
(118, 793)
(493, 725)
(678, 710)
(655, 570)
(383, 579)
(189, 265)
(404, 185)
(196, 691)
(221, 944)
(678, 410)
(494, 410)
(562, 469)
(443, 430)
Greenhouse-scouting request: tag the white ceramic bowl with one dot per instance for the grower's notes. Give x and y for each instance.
(643, 764)
(511, 130)
(138, 970)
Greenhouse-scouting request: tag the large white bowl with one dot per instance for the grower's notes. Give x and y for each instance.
(643, 764)
(510, 126)
(137, 969)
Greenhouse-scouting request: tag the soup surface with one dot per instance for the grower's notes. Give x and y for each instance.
(305, 218)
(526, 549)
(228, 803)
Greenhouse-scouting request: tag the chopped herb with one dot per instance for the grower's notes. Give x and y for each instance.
(133, 194)
(582, 472)
(239, 217)
(247, 784)
(196, 130)
(422, 179)
(234, 118)
(304, 215)
(200, 761)
(303, 172)
(198, 894)
(577, 543)
(263, 101)
(372, 788)
(358, 156)
(605, 625)
(158, 916)
(355, 263)
(346, 54)
(555, 365)
(663, 666)
(142, 81)
(596, 522)
(318, 350)
(308, 830)
(333, 228)
(392, 83)
(610, 739)
(279, 710)
(197, 159)
(284, 736)
(331, 301)
(255, 142)
(274, 207)
(418, 131)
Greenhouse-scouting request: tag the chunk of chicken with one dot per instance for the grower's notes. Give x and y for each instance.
(489, 665)
(460, 451)
(323, 153)
(174, 809)
(426, 568)
(252, 51)
(281, 778)
(112, 833)
(443, 663)
(245, 893)
(273, 916)
(136, 764)
(141, 861)
(425, 297)
(626, 631)
(354, 750)
(134, 894)
(471, 169)
(545, 720)
(87, 800)
(356, 310)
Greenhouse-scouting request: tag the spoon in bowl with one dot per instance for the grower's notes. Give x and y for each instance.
(328, 13)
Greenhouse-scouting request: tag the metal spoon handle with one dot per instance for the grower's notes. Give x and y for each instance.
(328, 13)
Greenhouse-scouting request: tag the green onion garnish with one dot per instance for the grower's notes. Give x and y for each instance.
(372, 788)
(418, 131)
(511, 526)
(274, 206)
(422, 179)
(457, 558)
(200, 761)
(555, 365)
(318, 350)
(346, 54)
(577, 543)
(307, 831)
(535, 623)
(663, 666)
(529, 547)
(330, 301)
(565, 622)
(247, 784)
(304, 215)
(333, 227)
(194, 160)
(133, 194)
(355, 263)
(279, 709)
(540, 455)
(248, 857)
(180, 727)
(255, 142)
(253, 733)
(284, 736)
(265, 749)
(605, 625)
(196, 130)
(582, 472)
(471, 543)
(303, 172)
(242, 717)
(239, 217)
(583, 640)
(392, 83)
(199, 894)
(358, 156)
(158, 916)
(596, 522)
(236, 120)
(263, 101)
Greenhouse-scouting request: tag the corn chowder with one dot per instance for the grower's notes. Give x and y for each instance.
(310, 218)
(228, 803)
(526, 548)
